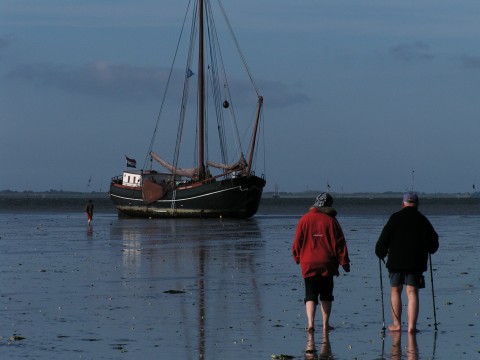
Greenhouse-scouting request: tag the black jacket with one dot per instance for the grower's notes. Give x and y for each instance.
(407, 238)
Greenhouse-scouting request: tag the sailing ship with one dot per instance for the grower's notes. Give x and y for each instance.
(221, 188)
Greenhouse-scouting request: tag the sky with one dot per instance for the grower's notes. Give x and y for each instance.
(360, 96)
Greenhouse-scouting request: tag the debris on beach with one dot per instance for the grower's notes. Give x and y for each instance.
(120, 347)
(16, 337)
(174, 292)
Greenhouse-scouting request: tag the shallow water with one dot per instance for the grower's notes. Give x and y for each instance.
(217, 289)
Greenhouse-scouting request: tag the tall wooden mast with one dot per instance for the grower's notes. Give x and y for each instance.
(201, 94)
(254, 136)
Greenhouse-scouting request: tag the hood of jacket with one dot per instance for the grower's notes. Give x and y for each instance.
(326, 210)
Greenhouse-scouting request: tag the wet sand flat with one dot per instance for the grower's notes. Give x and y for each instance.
(216, 289)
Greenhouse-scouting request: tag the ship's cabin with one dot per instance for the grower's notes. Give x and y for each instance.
(135, 178)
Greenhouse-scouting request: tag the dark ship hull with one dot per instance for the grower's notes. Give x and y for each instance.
(230, 198)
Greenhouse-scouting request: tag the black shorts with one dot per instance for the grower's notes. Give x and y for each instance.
(403, 278)
(319, 285)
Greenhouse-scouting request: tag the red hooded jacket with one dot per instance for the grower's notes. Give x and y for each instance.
(319, 243)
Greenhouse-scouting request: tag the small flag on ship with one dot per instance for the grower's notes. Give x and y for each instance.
(131, 162)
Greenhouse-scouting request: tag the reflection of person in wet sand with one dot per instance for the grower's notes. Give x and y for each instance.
(412, 353)
(311, 350)
(319, 247)
(325, 350)
(89, 231)
(396, 346)
(89, 211)
(412, 349)
(407, 239)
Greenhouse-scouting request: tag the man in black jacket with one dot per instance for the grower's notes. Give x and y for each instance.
(407, 238)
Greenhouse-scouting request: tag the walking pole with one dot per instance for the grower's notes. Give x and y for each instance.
(433, 292)
(381, 290)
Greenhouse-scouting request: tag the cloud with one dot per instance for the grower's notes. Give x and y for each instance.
(281, 95)
(96, 79)
(410, 52)
(470, 62)
(4, 42)
(127, 82)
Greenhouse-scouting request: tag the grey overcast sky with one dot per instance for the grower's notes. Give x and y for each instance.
(367, 96)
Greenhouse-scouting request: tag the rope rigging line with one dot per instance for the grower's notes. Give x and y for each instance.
(238, 47)
(152, 141)
(186, 87)
(216, 80)
(247, 69)
(215, 55)
(228, 96)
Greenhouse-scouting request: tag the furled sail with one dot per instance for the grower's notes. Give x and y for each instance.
(239, 165)
(190, 172)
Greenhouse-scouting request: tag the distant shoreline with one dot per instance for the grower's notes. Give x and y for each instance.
(285, 204)
(52, 194)
(267, 194)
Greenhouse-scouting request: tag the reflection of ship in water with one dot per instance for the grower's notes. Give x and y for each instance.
(211, 262)
(182, 237)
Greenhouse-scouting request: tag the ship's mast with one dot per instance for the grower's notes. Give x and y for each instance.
(201, 94)
(254, 136)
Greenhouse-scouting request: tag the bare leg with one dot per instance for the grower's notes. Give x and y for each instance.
(326, 310)
(413, 308)
(396, 305)
(310, 308)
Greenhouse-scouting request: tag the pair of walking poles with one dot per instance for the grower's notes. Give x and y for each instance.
(433, 293)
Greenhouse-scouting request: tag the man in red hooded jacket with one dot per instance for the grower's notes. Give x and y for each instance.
(319, 247)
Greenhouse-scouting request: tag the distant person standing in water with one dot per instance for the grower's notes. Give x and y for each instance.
(89, 211)
(319, 247)
(407, 239)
